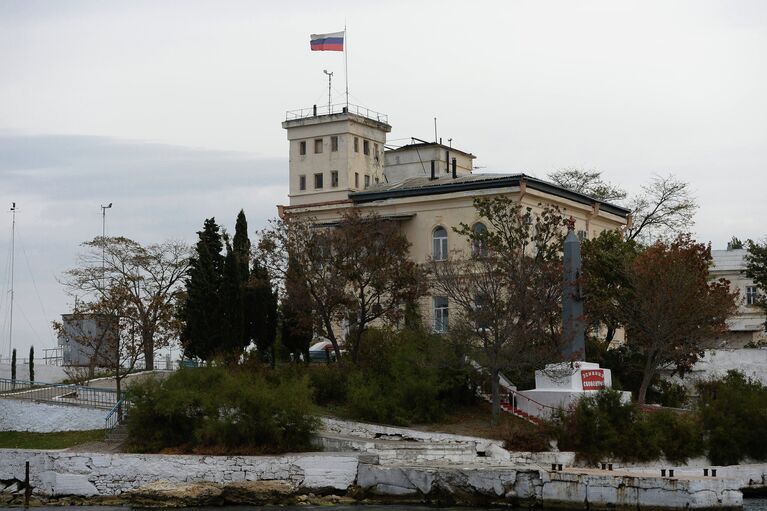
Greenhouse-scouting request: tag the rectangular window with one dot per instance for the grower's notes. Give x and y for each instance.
(317, 181)
(356, 145)
(317, 146)
(375, 150)
(302, 182)
(356, 180)
(367, 180)
(366, 147)
(440, 314)
(334, 144)
(752, 295)
(302, 147)
(334, 178)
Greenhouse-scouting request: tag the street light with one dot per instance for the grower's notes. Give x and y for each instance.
(103, 241)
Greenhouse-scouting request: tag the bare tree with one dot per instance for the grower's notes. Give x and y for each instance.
(119, 278)
(356, 271)
(664, 209)
(380, 277)
(294, 249)
(588, 182)
(506, 294)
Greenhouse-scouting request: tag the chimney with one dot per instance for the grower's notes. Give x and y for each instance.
(432, 170)
(455, 168)
(447, 161)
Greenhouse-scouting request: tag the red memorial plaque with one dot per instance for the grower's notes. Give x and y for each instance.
(593, 379)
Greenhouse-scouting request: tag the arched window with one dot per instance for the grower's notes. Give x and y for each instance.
(479, 240)
(439, 244)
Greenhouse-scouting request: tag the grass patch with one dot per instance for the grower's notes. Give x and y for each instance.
(56, 440)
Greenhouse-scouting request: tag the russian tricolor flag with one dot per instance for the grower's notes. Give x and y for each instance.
(327, 42)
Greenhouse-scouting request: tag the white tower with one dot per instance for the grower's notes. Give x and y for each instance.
(332, 154)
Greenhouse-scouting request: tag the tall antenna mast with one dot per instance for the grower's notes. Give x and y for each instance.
(330, 78)
(346, 64)
(13, 251)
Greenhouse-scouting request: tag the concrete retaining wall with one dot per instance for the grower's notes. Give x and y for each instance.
(81, 474)
(18, 415)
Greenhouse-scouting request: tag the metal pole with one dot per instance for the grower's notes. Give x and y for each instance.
(346, 65)
(103, 243)
(330, 79)
(13, 257)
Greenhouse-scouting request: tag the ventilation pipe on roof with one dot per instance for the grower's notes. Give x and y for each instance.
(432, 170)
(455, 168)
(447, 162)
(315, 111)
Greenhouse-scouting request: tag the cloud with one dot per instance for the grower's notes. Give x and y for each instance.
(159, 192)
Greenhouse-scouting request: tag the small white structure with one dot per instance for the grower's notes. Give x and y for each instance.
(560, 385)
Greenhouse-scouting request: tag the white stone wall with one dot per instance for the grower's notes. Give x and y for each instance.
(715, 363)
(65, 473)
(18, 415)
(43, 373)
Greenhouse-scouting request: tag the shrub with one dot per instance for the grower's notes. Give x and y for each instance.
(407, 377)
(602, 427)
(330, 383)
(226, 410)
(733, 411)
(666, 393)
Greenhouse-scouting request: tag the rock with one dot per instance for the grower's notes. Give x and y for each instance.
(165, 494)
(257, 493)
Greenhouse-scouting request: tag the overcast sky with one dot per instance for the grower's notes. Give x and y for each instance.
(171, 109)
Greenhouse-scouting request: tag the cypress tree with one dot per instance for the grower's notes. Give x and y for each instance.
(232, 324)
(264, 310)
(32, 363)
(202, 311)
(296, 319)
(241, 246)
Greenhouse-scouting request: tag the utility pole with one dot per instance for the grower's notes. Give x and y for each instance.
(103, 243)
(13, 255)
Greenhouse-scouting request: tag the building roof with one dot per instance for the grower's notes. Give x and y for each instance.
(729, 260)
(419, 145)
(420, 186)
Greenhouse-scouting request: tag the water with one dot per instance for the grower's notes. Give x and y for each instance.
(755, 504)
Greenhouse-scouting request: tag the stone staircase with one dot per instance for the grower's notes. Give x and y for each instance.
(507, 407)
(117, 435)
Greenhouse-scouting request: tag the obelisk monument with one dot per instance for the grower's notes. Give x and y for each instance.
(573, 328)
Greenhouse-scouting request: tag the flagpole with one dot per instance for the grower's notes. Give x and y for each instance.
(346, 65)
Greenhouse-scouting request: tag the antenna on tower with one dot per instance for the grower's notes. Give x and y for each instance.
(330, 78)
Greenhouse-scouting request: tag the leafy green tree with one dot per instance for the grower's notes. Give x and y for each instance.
(32, 363)
(606, 260)
(756, 270)
(202, 309)
(735, 244)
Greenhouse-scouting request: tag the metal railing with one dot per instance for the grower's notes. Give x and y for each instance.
(58, 393)
(340, 108)
(116, 416)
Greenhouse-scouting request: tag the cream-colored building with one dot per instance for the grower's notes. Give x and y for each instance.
(747, 326)
(340, 160)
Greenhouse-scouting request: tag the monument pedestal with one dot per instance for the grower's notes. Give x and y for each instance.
(560, 385)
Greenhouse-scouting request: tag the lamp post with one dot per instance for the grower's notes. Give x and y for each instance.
(103, 242)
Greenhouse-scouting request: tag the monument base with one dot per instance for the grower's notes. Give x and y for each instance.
(559, 386)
